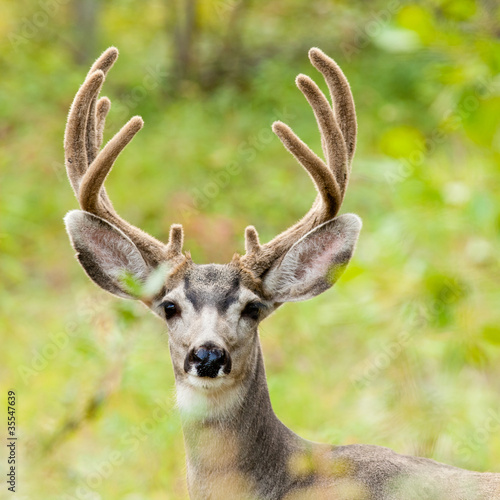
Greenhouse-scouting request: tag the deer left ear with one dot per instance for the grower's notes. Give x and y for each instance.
(106, 254)
(315, 262)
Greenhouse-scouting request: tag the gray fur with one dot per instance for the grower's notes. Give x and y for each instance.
(212, 285)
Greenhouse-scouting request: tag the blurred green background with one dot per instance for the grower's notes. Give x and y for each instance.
(403, 352)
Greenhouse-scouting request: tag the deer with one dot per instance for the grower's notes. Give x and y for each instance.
(236, 447)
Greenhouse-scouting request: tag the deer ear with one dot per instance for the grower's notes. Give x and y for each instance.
(315, 262)
(106, 254)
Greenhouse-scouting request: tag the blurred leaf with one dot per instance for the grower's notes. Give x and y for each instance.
(481, 119)
(491, 333)
(459, 10)
(397, 40)
(401, 141)
(418, 19)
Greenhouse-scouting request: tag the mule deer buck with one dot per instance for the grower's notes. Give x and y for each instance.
(235, 445)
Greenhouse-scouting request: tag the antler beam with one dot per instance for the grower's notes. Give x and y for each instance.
(88, 166)
(337, 126)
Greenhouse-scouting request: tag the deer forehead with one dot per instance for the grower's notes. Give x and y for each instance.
(216, 286)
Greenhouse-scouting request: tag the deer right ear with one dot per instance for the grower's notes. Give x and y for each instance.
(106, 254)
(315, 262)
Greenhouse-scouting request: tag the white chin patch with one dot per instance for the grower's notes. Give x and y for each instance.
(204, 397)
(195, 380)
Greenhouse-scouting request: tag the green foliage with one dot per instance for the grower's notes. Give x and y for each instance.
(402, 352)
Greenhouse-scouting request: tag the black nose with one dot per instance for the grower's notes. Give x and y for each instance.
(208, 359)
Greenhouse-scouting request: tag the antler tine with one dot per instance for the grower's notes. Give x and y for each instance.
(75, 145)
(88, 167)
(330, 178)
(331, 138)
(102, 110)
(252, 244)
(94, 140)
(320, 174)
(340, 92)
(97, 172)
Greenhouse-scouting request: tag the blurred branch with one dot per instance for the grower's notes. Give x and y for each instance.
(85, 15)
(230, 58)
(184, 33)
(107, 386)
(227, 61)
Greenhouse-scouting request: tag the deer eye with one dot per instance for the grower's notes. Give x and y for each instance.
(252, 310)
(170, 309)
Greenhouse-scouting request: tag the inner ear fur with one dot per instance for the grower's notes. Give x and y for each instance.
(315, 262)
(105, 252)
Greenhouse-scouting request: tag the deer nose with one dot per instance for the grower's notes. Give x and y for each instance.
(208, 360)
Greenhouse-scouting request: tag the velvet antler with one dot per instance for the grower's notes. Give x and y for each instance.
(88, 166)
(337, 125)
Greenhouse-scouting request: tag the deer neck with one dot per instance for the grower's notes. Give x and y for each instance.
(233, 439)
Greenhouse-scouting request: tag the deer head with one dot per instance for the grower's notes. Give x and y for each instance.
(212, 311)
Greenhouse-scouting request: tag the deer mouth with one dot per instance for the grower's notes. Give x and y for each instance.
(208, 383)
